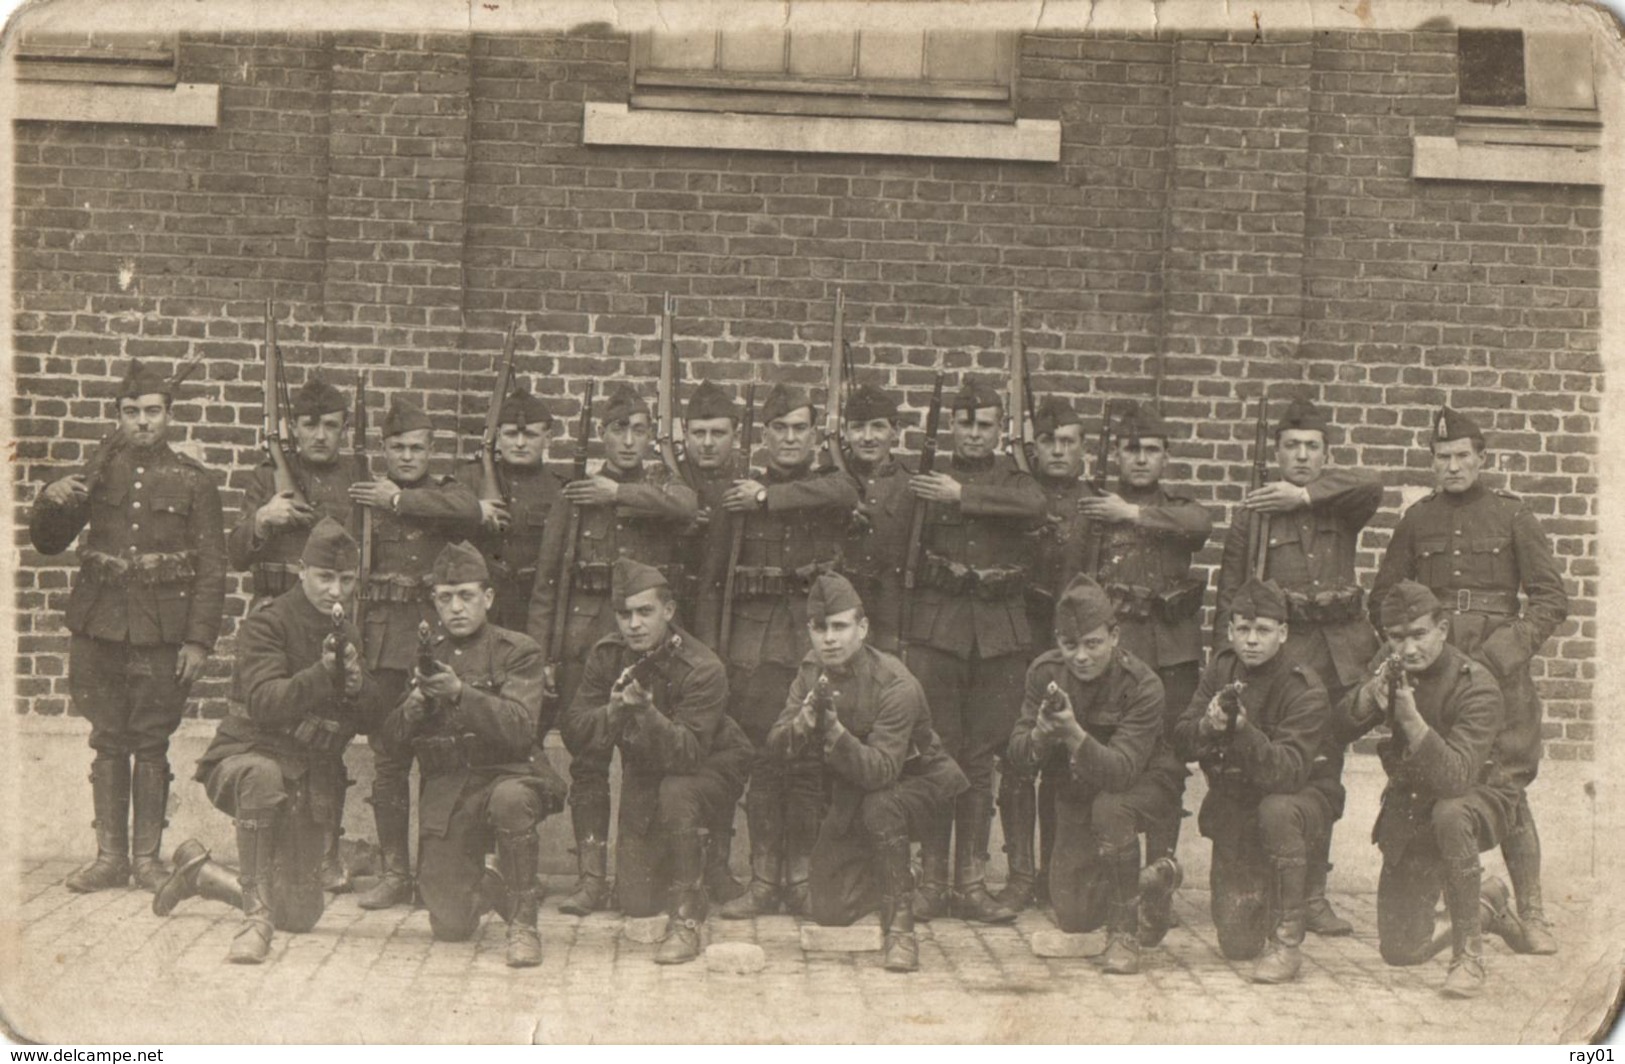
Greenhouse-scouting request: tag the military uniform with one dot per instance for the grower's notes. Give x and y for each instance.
(876, 542)
(152, 567)
(886, 775)
(1270, 789)
(1477, 549)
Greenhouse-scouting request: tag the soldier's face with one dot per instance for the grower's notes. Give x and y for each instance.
(643, 619)
(406, 455)
(1420, 642)
(1256, 639)
(871, 441)
(522, 446)
(790, 439)
(838, 636)
(1087, 656)
(976, 432)
(1140, 462)
(1060, 454)
(626, 442)
(326, 588)
(1300, 454)
(710, 441)
(462, 607)
(318, 436)
(144, 419)
(1456, 465)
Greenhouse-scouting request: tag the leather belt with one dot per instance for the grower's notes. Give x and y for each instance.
(1473, 600)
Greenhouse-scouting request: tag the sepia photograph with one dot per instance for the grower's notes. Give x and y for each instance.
(937, 521)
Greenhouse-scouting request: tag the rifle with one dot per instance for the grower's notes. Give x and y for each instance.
(276, 404)
(492, 486)
(1230, 702)
(115, 441)
(640, 671)
(736, 526)
(840, 374)
(363, 514)
(560, 621)
(1394, 672)
(1021, 394)
(823, 706)
(1258, 524)
(666, 421)
(911, 559)
(340, 645)
(1097, 535)
(324, 733)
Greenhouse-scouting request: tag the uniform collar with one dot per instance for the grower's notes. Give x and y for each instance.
(1471, 495)
(1129, 493)
(974, 465)
(861, 468)
(775, 475)
(1056, 484)
(636, 475)
(1266, 670)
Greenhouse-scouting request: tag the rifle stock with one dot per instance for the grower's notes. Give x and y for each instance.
(559, 623)
(1258, 524)
(362, 470)
(1097, 535)
(736, 528)
(666, 420)
(492, 486)
(917, 509)
(1020, 401)
(283, 477)
(839, 377)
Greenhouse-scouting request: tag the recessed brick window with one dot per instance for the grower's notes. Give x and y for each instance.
(118, 80)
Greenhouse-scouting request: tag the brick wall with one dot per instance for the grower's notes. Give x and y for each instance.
(1228, 215)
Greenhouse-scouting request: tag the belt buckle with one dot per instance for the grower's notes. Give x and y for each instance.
(1464, 600)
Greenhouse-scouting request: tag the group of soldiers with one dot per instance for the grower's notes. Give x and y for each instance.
(856, 649)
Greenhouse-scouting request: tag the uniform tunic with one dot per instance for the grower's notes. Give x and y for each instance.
(1477, 549)
(511, 554)
(1058, 554)
(886, 777)
(274, 560)
(876, 545)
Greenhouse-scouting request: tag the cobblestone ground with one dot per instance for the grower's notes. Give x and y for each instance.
(100, 968)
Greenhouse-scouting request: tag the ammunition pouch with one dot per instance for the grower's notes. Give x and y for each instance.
(322, 735)
(771, 581)
(392, 587)
(139, 570)
(273, 578)
(1473, 600)
(1325, 607)
(456, 753)
(994, 584)
(595, 578)
(1135, 602)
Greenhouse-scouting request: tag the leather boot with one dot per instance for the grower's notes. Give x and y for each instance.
(972, 822)
(1497, 916)
(517, 853)
(1282, 959)
(1521, 850)
(392, 816)
(335, 877)
(901, 950)
(934, 896)
(1122, 956)
(195, 875)
(797, 886)
(720, 885)
(1018, 815)
(256, 851)
(761, 898)
(1465, 979)
(1046, 836)
(591, 826)
(1158, 881)
(1319, 916)
(110, 796)
(149, 792)
(689, 908)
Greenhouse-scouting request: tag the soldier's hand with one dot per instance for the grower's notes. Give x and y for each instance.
(593, 491)
(283, 510)
(741, 497)
(1406, 716)
(443, 683)
(189, 663)
(1108, 508)
(67, 490)
(1217, 719)
(379, 494)
(494, 515)
(550, 682)
(935, 487)
(806, 718)
(1278, 497)
(414, 708)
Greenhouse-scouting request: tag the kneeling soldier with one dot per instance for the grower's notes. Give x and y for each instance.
(1447, 800)
(471, 720)
(1256, 722)
(660, 695)
(860, 713)
(1101, 708)
(276, 762)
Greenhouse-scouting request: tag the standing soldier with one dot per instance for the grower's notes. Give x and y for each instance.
(862, 715)
(1256, 723)
(270, 535)
(278, 756)
(789, 527)
(628, 510)
(472, 723)
(144, 614)
(969, 641)
(1447, 800)
(877, 534)
(414, 516)
(653, 690)
(511, 527)
(1098, 710)
(1315, 516)
(1477, 548)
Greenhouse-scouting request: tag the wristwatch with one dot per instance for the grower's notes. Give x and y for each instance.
(761, 497)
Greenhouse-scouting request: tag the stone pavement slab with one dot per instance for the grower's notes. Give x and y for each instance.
(101, 968)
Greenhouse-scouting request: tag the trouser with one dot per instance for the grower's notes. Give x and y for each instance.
(452, 864)
(1090, 825)
(1281, 831)
(128, 693)
(644, 860)
(1414, 874)
(392, 768)
(846, 883)
(253, 786)
(786, 798)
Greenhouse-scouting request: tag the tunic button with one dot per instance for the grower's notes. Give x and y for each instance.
(135, 528)
(140, 469)
(137, 484)
(136, 504)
